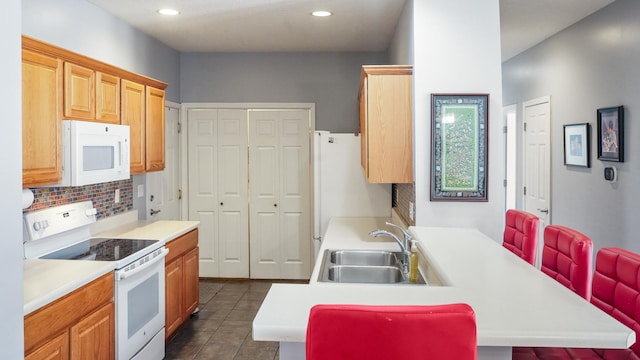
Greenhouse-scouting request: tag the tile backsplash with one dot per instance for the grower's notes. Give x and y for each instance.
(102, 195)
(402, 195)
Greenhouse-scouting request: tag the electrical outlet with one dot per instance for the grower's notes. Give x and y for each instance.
(140, 190)
(411, 210)
(117, 196)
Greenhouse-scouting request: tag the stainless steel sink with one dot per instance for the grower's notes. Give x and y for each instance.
(365, 274)
(364, 267)
(365, 257)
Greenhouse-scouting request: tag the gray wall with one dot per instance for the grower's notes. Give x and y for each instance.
(401, 47)
(82, 27)
(11, 328)
(590, 65)
(330, 80)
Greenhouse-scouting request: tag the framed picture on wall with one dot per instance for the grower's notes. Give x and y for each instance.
(459, 147)
(576, 144)
(611, 134)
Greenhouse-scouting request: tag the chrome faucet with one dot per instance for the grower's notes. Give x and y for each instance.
(406, 236)
(405, 252)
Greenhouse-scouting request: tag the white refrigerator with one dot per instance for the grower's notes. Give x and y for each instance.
(340, 188)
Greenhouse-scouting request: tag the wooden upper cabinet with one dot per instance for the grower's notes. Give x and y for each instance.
(386, 123)
(133, 104)
(59, 84)
(154, 128)
(364, 157)
(41, 128)
(79, 92)
(107, 98)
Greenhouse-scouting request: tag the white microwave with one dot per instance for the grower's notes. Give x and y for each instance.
(94, 153)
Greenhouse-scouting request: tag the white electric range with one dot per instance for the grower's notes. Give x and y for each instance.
(63, 232)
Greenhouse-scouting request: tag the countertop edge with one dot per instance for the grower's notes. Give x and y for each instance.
(101, 268)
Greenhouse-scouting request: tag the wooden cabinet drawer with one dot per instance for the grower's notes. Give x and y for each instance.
(181, 245)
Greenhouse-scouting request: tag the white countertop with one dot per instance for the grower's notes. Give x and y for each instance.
(48, 280)
(515, 304)
(163, 230)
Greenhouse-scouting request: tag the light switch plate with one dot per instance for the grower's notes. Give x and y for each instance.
(411, 210)
(116, 197)
(141, 190)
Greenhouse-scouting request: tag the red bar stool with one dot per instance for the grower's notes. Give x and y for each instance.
(566, 256)
(615, 290)
(521, 234)
(439, 332)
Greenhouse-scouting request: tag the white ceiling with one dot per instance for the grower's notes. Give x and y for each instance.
(357, 25)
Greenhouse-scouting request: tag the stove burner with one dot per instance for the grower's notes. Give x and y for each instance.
(122, 251)
(117, 249)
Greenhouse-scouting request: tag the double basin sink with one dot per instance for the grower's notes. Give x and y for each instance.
(364, 266)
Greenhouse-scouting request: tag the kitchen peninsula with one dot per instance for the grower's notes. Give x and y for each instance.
(515, 303)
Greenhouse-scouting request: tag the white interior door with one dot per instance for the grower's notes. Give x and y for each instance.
(537, 167)
(295, 194)
(263, 168)
(233, 217)
(280, 229)
(510, 117)
(163, 187)
(203, 202)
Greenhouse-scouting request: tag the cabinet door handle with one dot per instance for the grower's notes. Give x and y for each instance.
(275, 205)
(221, 204)
(546, 211)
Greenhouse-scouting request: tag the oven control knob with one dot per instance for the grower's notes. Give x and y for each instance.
(37, 226)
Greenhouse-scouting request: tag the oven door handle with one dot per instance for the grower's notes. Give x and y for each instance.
(121, 275)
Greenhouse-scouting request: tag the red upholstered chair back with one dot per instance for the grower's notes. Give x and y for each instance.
(521, 234)
(567, 256)
(440, 332)
(616, 287)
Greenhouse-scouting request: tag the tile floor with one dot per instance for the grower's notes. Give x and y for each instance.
(222, 328)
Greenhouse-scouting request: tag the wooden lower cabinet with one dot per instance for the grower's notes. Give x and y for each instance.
(80, 325)
(191, 280)
(91, 337)
(55, 349)
(181, 280)
(173, 299)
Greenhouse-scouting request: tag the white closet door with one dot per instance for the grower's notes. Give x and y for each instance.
(203, 202)
(233, 217)
(264, 184)
(280, 228)
(294, 206)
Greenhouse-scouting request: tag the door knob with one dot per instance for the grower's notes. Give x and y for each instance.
(546, 211)
(153, 212)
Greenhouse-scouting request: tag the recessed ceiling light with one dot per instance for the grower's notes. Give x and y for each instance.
(169, 12)
(321, 13)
